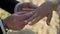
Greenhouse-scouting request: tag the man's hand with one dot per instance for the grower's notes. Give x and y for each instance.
(16, 20)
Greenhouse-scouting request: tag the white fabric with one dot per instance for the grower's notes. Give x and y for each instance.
(2, 27)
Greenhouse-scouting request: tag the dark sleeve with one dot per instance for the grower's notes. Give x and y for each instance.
(8, 5)
(1, 31)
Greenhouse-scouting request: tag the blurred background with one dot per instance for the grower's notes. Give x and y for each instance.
(40, 27)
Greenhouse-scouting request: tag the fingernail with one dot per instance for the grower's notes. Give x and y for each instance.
(29, 22)
(25, 21)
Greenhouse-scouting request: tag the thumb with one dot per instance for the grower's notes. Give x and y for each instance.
(49, 16)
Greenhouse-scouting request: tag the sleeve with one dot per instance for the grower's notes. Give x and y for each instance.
(8, 5)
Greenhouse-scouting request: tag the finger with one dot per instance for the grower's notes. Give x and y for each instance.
(19, 13)
(32, 17)
(40, 12)
(39, 17)
(49, 16)
(24, 16)
(34, 21)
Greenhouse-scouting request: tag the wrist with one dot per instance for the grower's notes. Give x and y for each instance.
(54, 4)
(4, 20)
(54, 1)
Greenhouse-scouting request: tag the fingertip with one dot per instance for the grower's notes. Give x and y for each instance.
(48, 23)
(29, 22)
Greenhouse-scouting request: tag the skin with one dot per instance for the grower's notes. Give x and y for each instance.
(31, 17)
(45, 10)
(39, 14)
(15, 21)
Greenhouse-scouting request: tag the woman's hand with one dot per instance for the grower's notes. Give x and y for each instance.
(45, 10)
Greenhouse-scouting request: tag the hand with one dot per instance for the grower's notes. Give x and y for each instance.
(25, 7)
(16, 20)
(45, 10)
